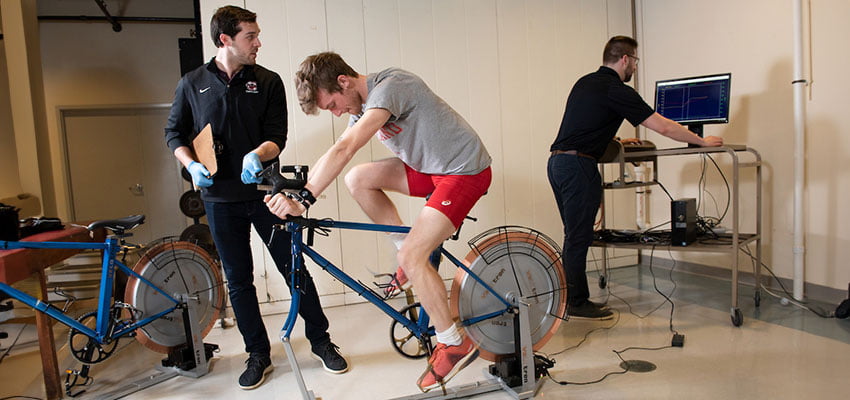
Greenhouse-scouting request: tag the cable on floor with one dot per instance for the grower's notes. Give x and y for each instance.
(670, 277)
(548, 357)
(788, 296)
(619, 355)
(14, 342)
(586, 335)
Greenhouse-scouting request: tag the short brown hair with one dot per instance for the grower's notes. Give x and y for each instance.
(226, 20)
(617, 47)
(319, 71)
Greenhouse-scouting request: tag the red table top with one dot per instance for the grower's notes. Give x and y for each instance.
(19, 264)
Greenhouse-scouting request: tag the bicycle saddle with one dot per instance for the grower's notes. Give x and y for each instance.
(118, 225)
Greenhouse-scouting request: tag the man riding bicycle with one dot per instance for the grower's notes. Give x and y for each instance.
(437, 153)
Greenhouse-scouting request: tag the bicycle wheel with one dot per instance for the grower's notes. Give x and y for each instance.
(511, 260)
(175, 267)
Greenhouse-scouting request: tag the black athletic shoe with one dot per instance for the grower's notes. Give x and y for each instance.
(255, 373)
(589, 310)
(332, 361)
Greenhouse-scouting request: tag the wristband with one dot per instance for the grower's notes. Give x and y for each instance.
(303, 202)
(307, 196)
(297, 197)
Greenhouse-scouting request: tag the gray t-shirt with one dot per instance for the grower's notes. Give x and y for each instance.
(423, 131)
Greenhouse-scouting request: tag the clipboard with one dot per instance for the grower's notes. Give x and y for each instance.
(203, 147)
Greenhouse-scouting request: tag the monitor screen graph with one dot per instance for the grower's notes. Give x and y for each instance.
(694, 101)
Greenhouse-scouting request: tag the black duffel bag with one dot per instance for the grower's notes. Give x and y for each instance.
(8, 223)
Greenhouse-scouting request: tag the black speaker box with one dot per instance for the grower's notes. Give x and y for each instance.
(191, 54)
(683, 221)
(9, 224)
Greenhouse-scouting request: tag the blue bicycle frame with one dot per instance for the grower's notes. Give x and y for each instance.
(104, 332)
(420, 327)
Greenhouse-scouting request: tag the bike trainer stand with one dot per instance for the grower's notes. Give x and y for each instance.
(306, 394)
(516, 375)
(191, 360)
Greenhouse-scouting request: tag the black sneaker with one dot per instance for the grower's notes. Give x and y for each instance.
(255, 373)
(589, 310)
(332, 361)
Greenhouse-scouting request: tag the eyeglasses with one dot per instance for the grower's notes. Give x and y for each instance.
(633, 57)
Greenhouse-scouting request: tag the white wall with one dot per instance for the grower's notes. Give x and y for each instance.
(139, 65)
(828, 153)
(506, 66)
(87, 63)
(753, 40)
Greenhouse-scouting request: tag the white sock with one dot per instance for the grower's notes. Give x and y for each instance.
(450, 337)
(398, 239)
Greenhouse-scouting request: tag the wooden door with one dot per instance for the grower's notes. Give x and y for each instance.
(118, 165)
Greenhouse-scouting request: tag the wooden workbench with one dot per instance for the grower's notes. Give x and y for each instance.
(19, 264)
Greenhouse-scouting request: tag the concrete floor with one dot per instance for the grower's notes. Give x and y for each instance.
(780, 352)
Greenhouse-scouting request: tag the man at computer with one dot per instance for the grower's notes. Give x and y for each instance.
(596, 107)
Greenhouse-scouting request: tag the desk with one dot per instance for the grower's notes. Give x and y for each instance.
(738, 239)
(19, 264)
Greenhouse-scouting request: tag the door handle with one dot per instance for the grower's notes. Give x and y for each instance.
(137, 190)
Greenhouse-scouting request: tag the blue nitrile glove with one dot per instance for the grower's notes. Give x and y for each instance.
(200, 174)
(250, 166)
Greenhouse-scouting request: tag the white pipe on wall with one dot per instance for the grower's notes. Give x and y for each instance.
(799, 83)
(642, 200)
(641, 170)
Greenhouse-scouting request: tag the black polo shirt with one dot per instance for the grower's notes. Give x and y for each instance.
(243, 113)
(596, 107)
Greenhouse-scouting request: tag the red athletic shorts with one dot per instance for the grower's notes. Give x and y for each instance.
(452, 195)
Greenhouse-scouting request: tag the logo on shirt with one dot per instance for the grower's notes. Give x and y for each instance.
(204, 90)
(446, 202)
(388, 131)
(251, 87)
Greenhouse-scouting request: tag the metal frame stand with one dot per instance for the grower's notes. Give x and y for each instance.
(194, 334)
(306, 394)
(524, 354)
(739, 240)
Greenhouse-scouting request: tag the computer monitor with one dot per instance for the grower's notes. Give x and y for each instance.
(694, 101)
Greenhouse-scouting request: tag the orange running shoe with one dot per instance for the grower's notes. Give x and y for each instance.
(445, 362)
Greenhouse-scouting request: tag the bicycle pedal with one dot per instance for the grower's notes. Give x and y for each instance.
(381, 285)
(77, 378)
(384, 285)
(387, 276)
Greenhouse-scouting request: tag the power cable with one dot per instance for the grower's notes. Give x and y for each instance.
(788, 296)
(14, 342)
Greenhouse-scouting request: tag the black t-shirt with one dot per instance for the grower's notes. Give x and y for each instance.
(596, 107)
(243, 113)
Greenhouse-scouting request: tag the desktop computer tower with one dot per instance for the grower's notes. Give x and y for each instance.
(683, 221)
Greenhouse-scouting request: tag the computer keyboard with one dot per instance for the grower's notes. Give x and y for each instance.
(644, 145)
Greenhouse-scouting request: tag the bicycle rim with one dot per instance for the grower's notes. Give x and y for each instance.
(514, 260)
(175, 267)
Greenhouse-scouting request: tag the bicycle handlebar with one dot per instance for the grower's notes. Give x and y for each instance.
(277, 183)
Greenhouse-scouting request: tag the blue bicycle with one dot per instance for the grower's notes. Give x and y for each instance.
(155, 313)
(506, 265)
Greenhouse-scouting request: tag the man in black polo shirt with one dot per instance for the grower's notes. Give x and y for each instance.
(596, 107)
(245, 105)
